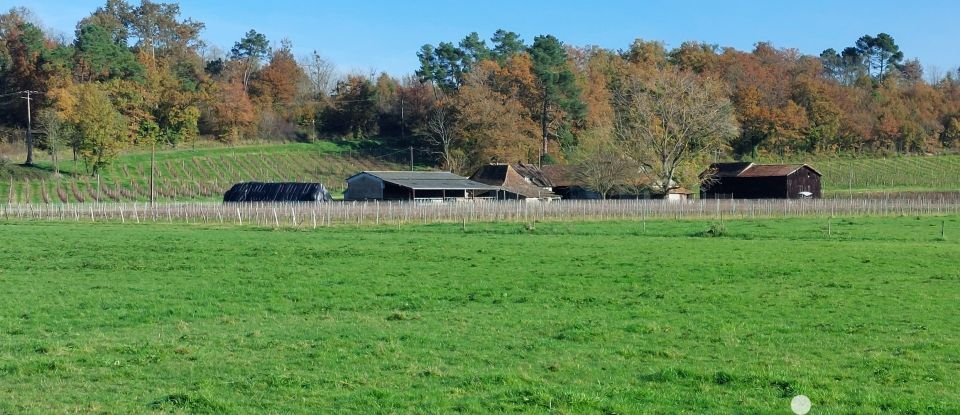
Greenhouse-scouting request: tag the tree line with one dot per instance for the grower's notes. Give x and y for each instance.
(141, 75)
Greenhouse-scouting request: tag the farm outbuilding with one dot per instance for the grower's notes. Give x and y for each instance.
(415, 185)
(517, 181)
(563, 182)
(745, 180)
(567, 185)
(277, 192)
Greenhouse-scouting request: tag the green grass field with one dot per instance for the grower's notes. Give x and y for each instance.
(566, 318)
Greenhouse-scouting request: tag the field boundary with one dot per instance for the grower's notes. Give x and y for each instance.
(313, 215)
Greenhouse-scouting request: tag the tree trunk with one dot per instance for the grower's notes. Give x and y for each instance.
(543, 128)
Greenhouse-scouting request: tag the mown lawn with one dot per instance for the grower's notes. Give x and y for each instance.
(565, 318)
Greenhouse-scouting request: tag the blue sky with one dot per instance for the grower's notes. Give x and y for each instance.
(385, 35)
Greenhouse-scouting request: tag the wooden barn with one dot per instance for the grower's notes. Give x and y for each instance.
(415, 185)
(517, 181)
(744, 180)
(277, 192)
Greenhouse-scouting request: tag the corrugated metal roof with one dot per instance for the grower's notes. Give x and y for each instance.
(428, 180)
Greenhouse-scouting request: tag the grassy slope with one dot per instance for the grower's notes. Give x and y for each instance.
(217, 167)
(894, 174)
(197, 174)
(571, 318)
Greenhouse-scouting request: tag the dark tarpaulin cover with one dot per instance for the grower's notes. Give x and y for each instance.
(277, 192)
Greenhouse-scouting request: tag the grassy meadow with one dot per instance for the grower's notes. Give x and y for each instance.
(565, 318)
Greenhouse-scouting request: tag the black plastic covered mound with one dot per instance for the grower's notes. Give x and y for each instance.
(277, 192)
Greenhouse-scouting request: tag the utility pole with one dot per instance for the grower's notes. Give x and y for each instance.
(29, 161)
(411, 158)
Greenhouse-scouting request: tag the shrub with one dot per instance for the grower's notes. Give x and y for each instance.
(716, 229)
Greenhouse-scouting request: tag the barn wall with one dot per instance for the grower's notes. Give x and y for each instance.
(363, 187)
(804, 180)
(747, 188)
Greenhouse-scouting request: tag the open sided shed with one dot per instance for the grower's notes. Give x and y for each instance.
(414, 185)
(277, 192)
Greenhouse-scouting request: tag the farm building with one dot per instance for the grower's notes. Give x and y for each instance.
(277, 192)
(744, 180)
(517, 181)
(415, 185)
(678, 193)
(564, 183)
(568, 186)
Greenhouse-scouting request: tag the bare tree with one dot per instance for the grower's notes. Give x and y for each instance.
(603, 167)
(440, 131)
(665, 120)
(321, 74)
(54, 131)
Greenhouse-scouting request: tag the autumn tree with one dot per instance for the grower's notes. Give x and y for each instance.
(669, 119)
(647, 53)
(698, 57)
(158, 28)
(232, 112)
(100, 127)
(493, 126)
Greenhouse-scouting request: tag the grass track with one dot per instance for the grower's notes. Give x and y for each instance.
(569, 318)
